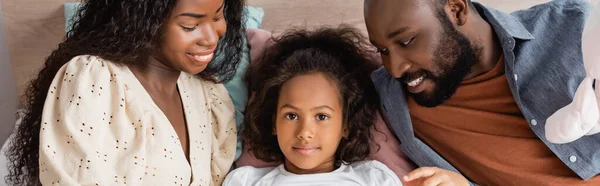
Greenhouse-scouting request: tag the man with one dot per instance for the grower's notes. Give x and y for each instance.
(467, 90)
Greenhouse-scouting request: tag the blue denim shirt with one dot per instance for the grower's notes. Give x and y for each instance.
(544, 66)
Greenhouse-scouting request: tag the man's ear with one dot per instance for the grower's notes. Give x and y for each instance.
(457, 11)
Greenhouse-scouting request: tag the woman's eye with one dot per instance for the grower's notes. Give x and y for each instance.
(291, 116)
(186, 28)
(217, 19)
(322, 117)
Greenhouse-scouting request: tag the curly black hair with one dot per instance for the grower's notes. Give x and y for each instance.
(341, 54)
(125, 32)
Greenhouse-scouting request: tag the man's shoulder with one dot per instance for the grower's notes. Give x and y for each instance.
(556, 10)
(380, 77)
(557, 29)
(384, 83)
(567, 5)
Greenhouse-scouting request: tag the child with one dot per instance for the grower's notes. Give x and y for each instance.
(313, 110)
(129, 98)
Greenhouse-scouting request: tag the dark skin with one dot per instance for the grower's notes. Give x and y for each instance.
(407, 32)
(193, 29)
(385, 17)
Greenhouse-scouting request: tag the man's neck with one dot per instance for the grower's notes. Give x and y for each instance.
(482, 33)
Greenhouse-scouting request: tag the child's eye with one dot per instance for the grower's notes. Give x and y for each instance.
(322, 117)
(291, 116)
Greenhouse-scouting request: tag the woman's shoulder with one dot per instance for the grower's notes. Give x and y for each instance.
(90, 60)
(89, 65)
(89, 78)
(90, 69)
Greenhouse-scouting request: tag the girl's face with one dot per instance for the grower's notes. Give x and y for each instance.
(308, 123)
(191, 34)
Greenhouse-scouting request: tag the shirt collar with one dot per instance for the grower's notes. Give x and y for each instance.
(504, 23)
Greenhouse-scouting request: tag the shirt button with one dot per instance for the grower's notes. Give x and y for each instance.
(533, 122)
(573, 159)
(516, 77)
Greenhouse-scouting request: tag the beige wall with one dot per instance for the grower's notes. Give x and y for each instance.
(35, 27)
(8, 102)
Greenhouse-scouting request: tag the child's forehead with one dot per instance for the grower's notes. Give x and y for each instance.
(311, 81)
(309, 90)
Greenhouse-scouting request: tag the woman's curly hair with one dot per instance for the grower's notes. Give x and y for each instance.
(341, 54)
(122, 31)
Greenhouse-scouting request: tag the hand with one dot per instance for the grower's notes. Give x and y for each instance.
(433, 176)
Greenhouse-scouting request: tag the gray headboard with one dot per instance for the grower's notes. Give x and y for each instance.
(8, 98)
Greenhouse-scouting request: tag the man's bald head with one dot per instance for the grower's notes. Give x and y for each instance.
(435, 4)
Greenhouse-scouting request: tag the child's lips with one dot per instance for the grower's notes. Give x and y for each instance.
(305, 150)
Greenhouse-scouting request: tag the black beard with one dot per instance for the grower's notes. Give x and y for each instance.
(455, 56)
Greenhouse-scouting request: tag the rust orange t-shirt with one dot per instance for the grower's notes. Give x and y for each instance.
(481, 131)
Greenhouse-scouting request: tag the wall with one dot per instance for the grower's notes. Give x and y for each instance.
(8, 95)
(34, 28)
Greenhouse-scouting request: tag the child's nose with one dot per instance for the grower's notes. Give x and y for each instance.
(306, 131)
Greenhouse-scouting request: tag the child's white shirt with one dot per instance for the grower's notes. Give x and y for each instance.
(363, 173)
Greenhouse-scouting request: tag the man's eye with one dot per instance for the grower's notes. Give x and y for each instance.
(407, 42)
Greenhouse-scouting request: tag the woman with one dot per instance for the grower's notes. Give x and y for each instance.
(129, 98)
